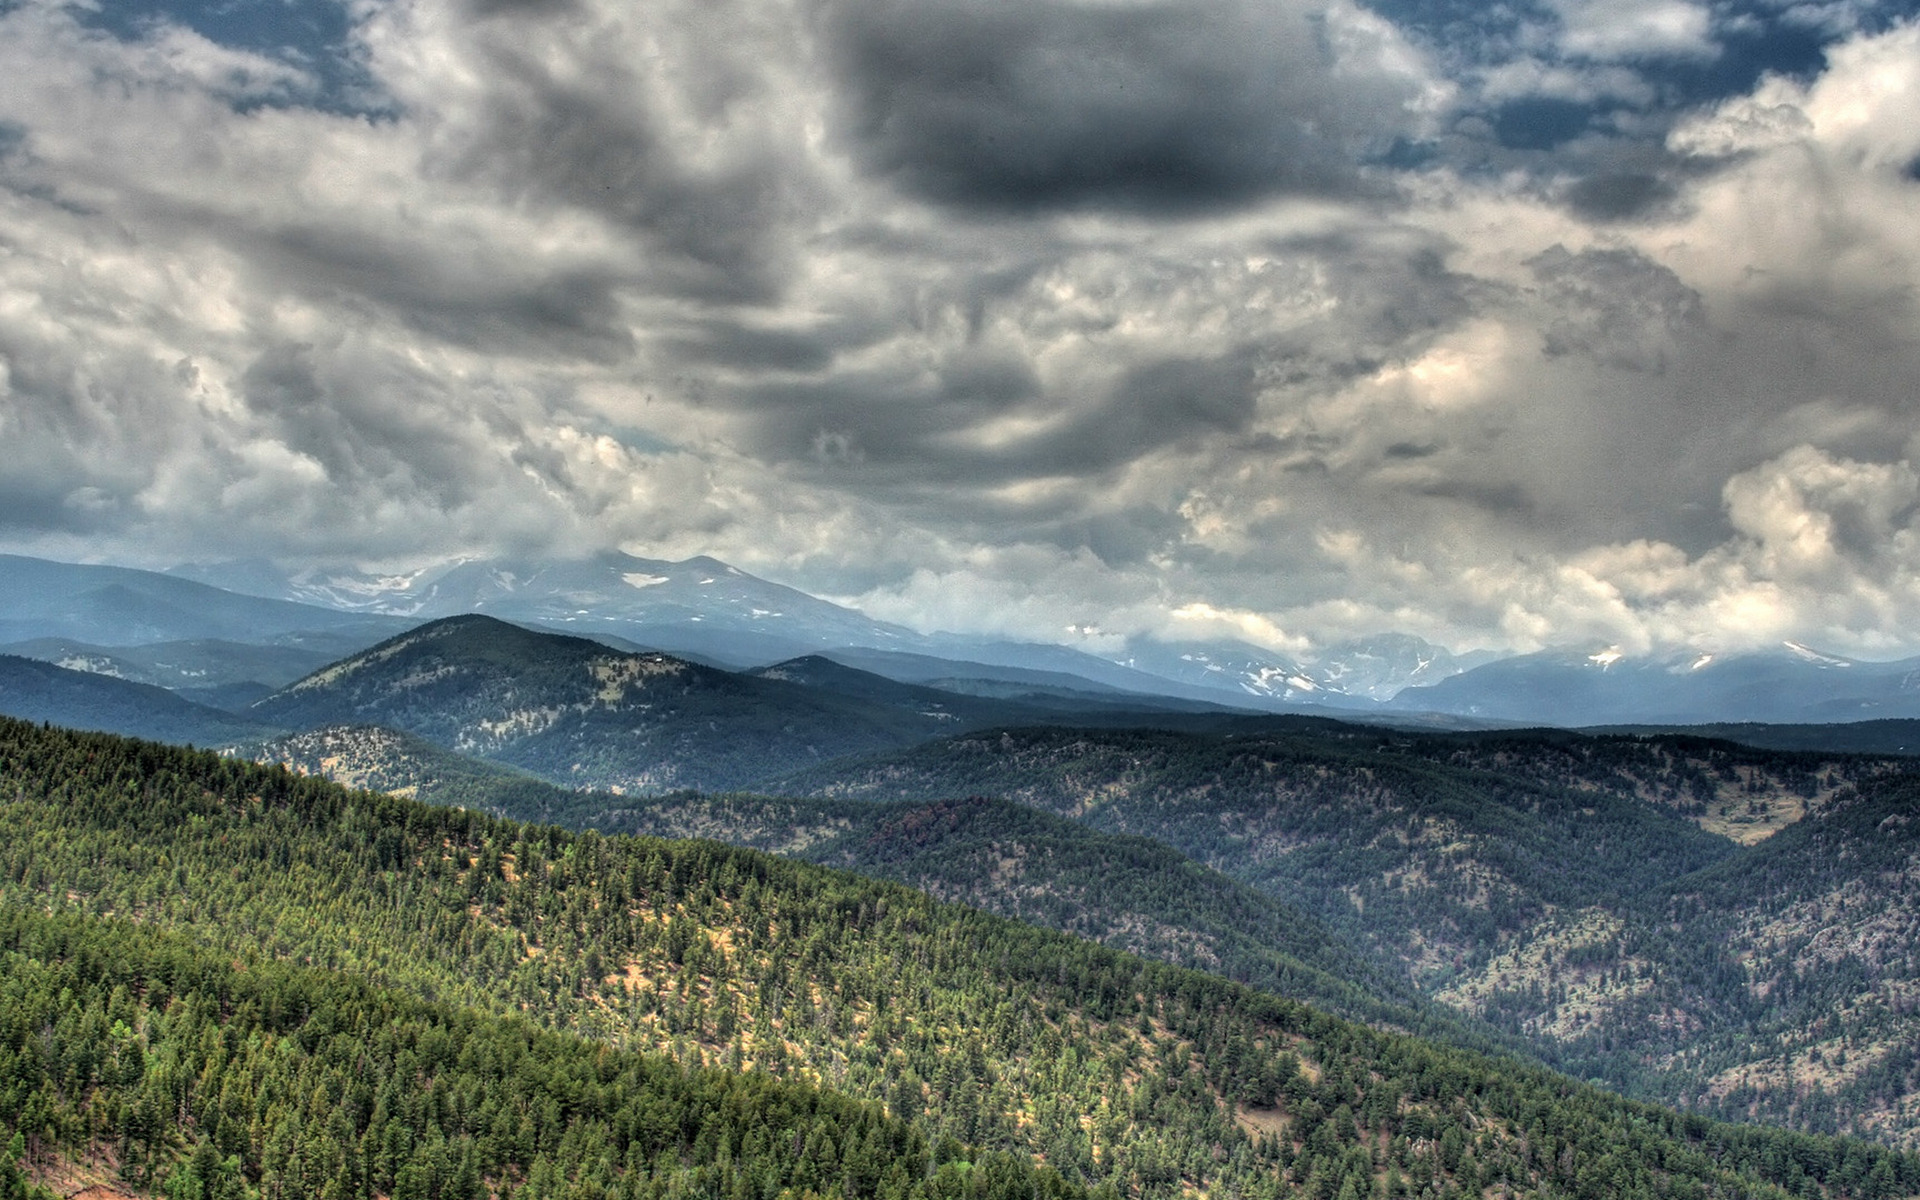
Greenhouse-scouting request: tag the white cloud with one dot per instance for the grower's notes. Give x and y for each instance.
(1610, 30)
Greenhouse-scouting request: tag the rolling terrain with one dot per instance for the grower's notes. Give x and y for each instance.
(1115, 1070)
(576, 711)
(580, 713)
(1528, 879)
(1127, 892)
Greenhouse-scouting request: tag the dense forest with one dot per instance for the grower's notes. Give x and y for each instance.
(1111, 1070)
(1542, 860)
(210, 1080)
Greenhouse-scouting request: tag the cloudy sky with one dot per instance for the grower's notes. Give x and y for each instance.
(1517, 324)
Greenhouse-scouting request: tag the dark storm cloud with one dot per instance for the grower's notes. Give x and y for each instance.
(567, 122)
(917, 431)
(1157, 404)
(497, 305)
(1035, 104)
(727, 344)
(1410, 450)
(1506, 500)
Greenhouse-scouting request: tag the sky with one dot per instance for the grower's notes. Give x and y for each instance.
(1509, 325)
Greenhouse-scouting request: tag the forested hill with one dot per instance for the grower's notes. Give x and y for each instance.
(1112, 1069)
(1429, 850)
(1529, 878)
(135, 1058)
(1129, 892)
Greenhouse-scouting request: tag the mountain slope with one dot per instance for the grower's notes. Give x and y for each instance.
(1159, 1081)
(1519, 876)
(1426, 861)
(120, 606)
(575, 711)
(1126, 892)
(37, 691)
(174, 1068)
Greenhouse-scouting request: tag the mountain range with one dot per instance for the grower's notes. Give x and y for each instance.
(705, 609)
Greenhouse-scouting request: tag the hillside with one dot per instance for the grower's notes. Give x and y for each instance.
(132, 1058)
(1425, 861)
(38, 691)
(1115, 1069)
(580, 713)
(1516, 876)
(1126, 892)
(577, 712)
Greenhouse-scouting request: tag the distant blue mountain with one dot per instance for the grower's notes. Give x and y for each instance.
(121, 606)
(1790, 685)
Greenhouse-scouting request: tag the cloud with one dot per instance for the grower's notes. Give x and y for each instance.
(1014, 105)
(1007, 317)
(1610, 30)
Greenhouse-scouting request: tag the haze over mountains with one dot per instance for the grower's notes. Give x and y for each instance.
(87, 617)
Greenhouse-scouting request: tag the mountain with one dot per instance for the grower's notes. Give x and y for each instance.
(1423, 849)
(710, 612)
(1226, 666)
(700, 605)
(1000, 1045)
(1775, 985)
(1131, 893)
(386, 760)
(704, 607)
(1790, 685)
(1128, 892)
(578, 712)
(209, 671)
(1381, 667)
(1471, 862)
(120, 606)
(37, 691)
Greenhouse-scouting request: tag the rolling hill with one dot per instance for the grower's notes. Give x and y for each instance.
(1524, 878)
(1115, 1070)
(578, 712)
